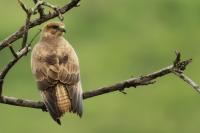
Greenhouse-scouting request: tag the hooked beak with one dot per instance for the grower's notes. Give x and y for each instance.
(62, 29)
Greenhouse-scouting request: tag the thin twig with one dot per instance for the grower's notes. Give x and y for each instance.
(18, 56)
(34, 37)
(19, 33)
(5, 70)
(25, 37)
(37, 5)
(23, 6)
(29, 13)
(1, 86)
(188, 80)
(40, 9)
(55, 8)
(25, 47)
(13, 51)
(13, 61)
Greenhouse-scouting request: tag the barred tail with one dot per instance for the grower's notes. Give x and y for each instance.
(63, 100)
(57, 101)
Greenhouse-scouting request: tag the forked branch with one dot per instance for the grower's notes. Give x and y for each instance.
(19, 33)
(177, 68)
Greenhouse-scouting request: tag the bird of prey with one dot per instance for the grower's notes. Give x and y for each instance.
(55, 67)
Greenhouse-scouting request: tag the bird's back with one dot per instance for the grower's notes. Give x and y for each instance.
(56, 69)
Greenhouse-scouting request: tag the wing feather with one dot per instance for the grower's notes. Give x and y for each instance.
(49, 69)
(73, 86)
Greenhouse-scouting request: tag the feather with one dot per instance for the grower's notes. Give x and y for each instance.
(50, 99)
(75, 93)
(63, 101)
(55, 66)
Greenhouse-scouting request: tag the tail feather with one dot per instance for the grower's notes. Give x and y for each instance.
(57, 101)
(63, 100)
(75, 93)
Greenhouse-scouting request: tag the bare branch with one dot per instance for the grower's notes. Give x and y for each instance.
(23, 32)
(34, 37)
(29, 13)
(133, 82)
(5, 70)
(13, 51)
(37, 5)
(25, 47)
(13, 61)
(25, 36)
(1, 86)
(188, 80)
(40, 9)
(23, 6)
(56, 9)
(176, 68)
(17, 56)
(18, 34)
(22, 102)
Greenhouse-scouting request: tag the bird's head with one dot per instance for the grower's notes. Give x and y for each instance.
(54, 29)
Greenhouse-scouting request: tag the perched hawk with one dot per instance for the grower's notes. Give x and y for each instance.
(55, 66)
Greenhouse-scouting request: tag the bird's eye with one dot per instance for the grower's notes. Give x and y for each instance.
(55, 27)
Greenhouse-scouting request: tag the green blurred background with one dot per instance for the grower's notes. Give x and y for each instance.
(114, 39)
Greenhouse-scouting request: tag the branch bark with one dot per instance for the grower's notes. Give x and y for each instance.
(40, 9)
(6, 69)
(188, 80)
(177, 68)
(19, 33)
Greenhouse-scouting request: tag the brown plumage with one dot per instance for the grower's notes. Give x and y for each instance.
(55, 66)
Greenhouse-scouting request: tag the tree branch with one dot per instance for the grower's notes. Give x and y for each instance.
(13, 51)
(5, 70)
(17, 57)
(176, 68)
(55, 8)
(18, 34)
(40, 9)
(23, 31)
(188, 80)
(25, 36)
(22, 102)
(121, 86)
(25, 47)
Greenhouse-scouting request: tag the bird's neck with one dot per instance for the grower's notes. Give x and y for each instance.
(51, 39)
